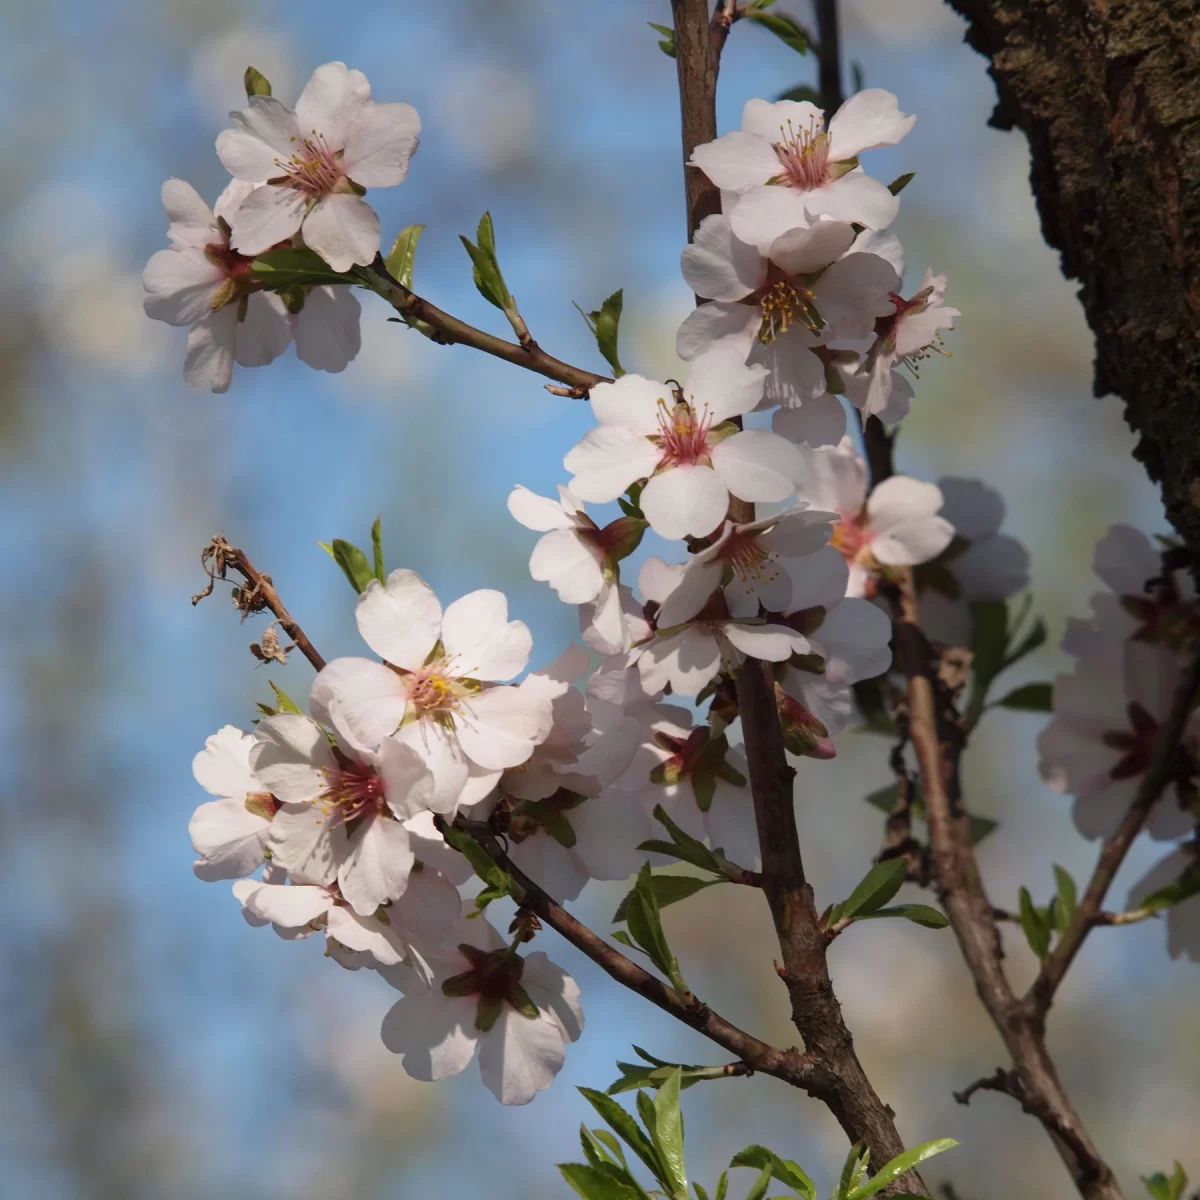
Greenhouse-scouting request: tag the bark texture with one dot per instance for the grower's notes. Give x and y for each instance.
(1108, 93)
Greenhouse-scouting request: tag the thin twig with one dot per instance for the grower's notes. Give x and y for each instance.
(1162, 769)
(218, 556)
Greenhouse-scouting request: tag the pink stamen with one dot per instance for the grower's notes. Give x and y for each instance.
(804, 156)
(682, 435)
(352, 792)
(314, 169)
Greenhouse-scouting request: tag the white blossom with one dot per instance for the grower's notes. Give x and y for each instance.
(229, 833)
(1183, 917)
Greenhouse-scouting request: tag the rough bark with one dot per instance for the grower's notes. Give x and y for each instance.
(1108, 93)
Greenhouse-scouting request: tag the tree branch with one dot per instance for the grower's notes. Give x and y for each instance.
(217, 557)
(696, 59)
(938, 742)
(451, 331)
(1088, 915)
(1109, 97)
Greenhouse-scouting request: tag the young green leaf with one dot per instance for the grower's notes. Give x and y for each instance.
(1027, 645)
(1161, 1187)
(605, 322)
(897, 1167)
(758, 1189)
(377, 549)
(255, 83)
(853, 1170)
(701, 1194)
(783, 1169)
(722, 1185)
(989, 637)
(603, 1182)
(1067, 897)
(1029, 697)
(878, 886)
(1037, 931)
(919, 914)
(353, 563)
(626, 1128)
(645, 927)
(283, 702)
(403, 254)
(668, 889)
(280, 269)
(667, 45)
(787, 29)
(901, 182)
(1186, 886)
(485, 268)
(668, 1132)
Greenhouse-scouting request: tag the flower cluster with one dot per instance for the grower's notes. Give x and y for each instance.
(1131, 657)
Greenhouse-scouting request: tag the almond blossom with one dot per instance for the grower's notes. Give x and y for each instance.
(746, 563)
(436, 692)
(780, 307)
(907, 337)
(896, 525)
(231, 832)
(1182, 917)
(201, 282)
(687, 658)
(517, 1011)
(341, 808)
(682, 441)
(789, 170)
(1100, 742)
(317, 160)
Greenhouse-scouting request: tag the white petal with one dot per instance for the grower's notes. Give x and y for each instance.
(328, 336)
(869, 119)
(737, 161)
(439, 749)
(905, 530)
(719, 266)
(344, 230)
(974, 509)
(771, 643)
(400, 619)
(818, 580)
(758, 465)
(434, 1033)
(797, 375)
(854, 197)
(432, 849)
(554, 992)
(607, 461)
(720, 383)
(366, 934)
(658, 579)
(360, 696)
(408, 784)
(696, 585)
(570, 567)
(717, 322)
(853, 639)
(192, 221)
(687, 661)
(376, 867)
(835, 479)
(208, 364)
(290, 905)
(773, 120)
(180, 285)
(538, 512)
(1125, 559)
(230, 200)
(798, 532)
(913, 541)
(305, 843)
(763, 214)
(853, 293)
(632, 402)
(380, 139)
(480, 640)
(268, 215)
(430, 904)
(802, 251)
(222, 768)
(228, 838)
(608, 829)
(332, 94)
(265, 333)
(265, 134)
(520, 1056)
(498, 728)
(686, 500)
(292, 758)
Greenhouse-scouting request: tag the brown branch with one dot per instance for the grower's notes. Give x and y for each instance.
(696, 59)
(938, 742)
(1162, 769)
(450, 330)
(829, 57)
(218, 556)
(789, 1065)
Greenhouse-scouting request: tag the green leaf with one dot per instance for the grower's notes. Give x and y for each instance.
(701, 1194)
(1028, 644)
(919, 914)
(758, 1189)
(684, 847)
(783, 1169)
(901, 1163)
(1162, 1188)
(852, 1170)
(353, 563)
(989, 636)
(619, 935)
(625, 1127)
(256, 83)
(1030, 697)
(980, 827)
(1037, 932)
(485, 268)
(1067, 897)
(668, 1131)
(667, 45)
(668, 889)
(877, 887)
(722, 1185)
(1186, 886)
(801, 92)
(605, 322)
(403, 254)
(613, 1146)
(884, 799)
(787, 29)
(281, 269)
(593, 1149)
(283, 702)
(377, 549)
(603, 1182)
(645, 927)
(901, 182)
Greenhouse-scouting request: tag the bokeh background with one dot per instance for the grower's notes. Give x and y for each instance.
(153, 1045)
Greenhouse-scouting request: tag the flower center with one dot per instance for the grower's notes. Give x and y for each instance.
(852, 540)
(353, 791)
(314, 168)
(782, 303)
(683, 436)
(749, 561)
(1135, 743)
(804, 156)
(433, 690)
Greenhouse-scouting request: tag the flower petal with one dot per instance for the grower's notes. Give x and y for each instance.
(191, 220)
(400, 619)
(264, 135)
(289, 905)
(434, 1034)
(868, 120)
(481, 641)
(763, 214)
(721, 384)
(222, 768)
(737, 161)
(758, 465)
(380, 139)
(208, 364)
(376, 867)
(520, 1056)
(802, 251)
(292, 758)
(343, 229)
(439, 749)
(228, 838)
(712, 323)
(328, 337)
(696, 584)
(304, 842)
(498, 728)
(686, 500)
(632, 402)
(570, 567)
(537, 512)
(607, 461)
(853, 198)
(180, 285)
(264, 334)
(719, 266)
(332, 94)
(268, 215)
(364, 699)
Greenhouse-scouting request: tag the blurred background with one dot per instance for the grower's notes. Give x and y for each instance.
(152, 1044)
